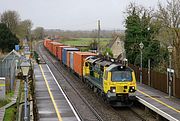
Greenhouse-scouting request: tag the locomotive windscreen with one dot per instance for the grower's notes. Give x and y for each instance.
(121, 76)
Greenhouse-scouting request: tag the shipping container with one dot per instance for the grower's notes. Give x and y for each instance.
(59, 51)
(68, 58)
(46, 42)
(64, 54)
(48, 45)
(55, 45)
(78, 60)
(51, 45)
(71, 61)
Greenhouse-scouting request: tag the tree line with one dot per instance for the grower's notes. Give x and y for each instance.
(156, 29)
(13, 29)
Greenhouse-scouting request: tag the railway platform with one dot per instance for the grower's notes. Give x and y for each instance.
(52, 103)
(159, 102)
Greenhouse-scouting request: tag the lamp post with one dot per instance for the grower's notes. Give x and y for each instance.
(25, 65)
(27, 54)
(170, 50)
(141, 45)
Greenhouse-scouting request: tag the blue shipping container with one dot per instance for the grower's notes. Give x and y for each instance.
(64, 54)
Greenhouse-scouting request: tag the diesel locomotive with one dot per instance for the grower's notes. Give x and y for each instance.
(115, 82)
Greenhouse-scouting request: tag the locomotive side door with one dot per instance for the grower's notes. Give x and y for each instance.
(105, 81)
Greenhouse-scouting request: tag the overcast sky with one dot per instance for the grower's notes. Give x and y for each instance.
(74, 14)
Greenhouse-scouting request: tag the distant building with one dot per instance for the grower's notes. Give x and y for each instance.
(117, 47)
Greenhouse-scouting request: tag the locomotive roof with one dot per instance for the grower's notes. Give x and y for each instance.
(118, 67)
(104, 63)
(95, 59)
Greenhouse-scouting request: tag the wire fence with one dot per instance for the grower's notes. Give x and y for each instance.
(8, 68)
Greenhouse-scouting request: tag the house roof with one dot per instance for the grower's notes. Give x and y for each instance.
(12, 52)
(113, 41)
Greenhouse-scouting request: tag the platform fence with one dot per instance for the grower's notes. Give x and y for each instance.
(8, 70)
(156, 80)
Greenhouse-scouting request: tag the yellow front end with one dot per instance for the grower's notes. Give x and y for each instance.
(119, 87)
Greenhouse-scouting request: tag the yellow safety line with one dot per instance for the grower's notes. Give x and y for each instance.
(50, 93)
(2, 85)
(159, 101)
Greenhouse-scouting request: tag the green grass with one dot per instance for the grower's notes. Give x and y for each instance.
(10, 94)
(4, 102)
(90, 39)
(10, 113)
(84, 41)
(7, 99)
(75, 42)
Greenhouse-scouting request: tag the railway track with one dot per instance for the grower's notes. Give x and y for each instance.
(115, 113)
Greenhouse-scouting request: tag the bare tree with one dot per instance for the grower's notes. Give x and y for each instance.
(169, 16)
(38, 33)
(24, 28)
(11, 19)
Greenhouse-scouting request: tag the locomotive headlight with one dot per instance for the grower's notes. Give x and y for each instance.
(113, 89)
(132, 89)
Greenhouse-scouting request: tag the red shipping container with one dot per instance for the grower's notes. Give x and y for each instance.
(50, 46)
(46, 41)
(59, 51)
(79, 58)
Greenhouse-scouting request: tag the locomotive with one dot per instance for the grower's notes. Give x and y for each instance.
(114, 80)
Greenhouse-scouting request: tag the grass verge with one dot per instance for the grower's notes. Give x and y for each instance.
(10, 113)
(7, 100)
(4, 102)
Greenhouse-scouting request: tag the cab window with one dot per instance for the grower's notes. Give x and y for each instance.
(121, 76)
(86, 64)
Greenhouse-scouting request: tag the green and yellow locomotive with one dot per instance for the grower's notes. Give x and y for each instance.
(114, 81)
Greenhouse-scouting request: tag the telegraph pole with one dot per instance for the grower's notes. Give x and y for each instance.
(99, 29)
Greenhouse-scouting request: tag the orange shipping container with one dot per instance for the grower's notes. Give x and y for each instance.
(68, 58)
(51, 44)
(59, 51)
(54, 49)
(79, 58)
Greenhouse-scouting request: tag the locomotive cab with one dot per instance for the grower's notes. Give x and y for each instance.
(119, 82)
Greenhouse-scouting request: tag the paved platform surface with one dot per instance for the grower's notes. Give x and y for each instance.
(159, 102)
(52, 104)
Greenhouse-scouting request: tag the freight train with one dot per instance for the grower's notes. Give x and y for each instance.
(113, 80)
